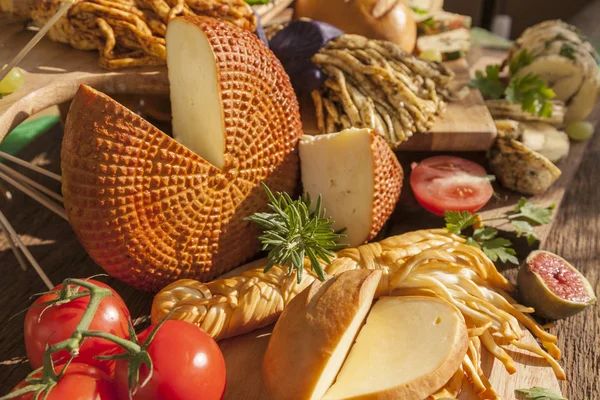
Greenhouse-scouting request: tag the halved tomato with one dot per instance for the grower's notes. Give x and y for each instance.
(447, 183)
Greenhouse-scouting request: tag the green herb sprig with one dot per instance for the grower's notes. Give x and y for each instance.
(523, 218)
(540, 393)
(529, 90)
(294, 230)
(533, 94)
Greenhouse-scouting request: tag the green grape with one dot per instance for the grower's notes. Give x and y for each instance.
(580, 130)
(431, 55)
(11, 82)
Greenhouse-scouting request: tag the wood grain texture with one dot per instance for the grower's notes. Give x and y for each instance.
(465, 126)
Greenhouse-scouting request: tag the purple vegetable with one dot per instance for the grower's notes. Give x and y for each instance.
(295, 45)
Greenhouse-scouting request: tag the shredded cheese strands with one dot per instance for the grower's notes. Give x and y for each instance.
(427, 262)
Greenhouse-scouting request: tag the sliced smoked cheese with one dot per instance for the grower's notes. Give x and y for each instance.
(409, 348)
(358, 176)
(314, 334)
(150, 210)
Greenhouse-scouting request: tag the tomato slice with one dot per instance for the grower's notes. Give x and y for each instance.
(447, 183)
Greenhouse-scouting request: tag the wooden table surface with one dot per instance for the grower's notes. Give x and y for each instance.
(575, 235)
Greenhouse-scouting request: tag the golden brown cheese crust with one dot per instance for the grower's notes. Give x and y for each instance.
(150, 211)
(388, 183)
(310, 329)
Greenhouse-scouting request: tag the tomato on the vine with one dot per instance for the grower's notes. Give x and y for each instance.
(187, 365)
(447, 183)
(80, 381)
(45, 326)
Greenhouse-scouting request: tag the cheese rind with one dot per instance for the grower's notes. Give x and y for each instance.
(358, 176)
(314, 333)
(149, 210)
(408, 349)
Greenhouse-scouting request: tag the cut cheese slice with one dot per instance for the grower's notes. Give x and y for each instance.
(545, 139)
(408, 349)
(149, 210)
(195, 91)
(314, 334)
(358, 176)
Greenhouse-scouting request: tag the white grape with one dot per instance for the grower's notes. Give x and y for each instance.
(580, 130)
(11, 82)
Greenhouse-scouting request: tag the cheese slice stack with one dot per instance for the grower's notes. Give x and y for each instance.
(150, 210)
(358, 176)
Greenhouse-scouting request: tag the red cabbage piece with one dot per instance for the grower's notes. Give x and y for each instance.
(295, 45)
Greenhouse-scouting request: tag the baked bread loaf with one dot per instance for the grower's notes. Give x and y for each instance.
(314, 334)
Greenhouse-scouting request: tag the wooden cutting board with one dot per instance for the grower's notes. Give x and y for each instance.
(54, 71)
(244, 354)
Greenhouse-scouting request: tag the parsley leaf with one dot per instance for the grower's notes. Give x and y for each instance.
(419, 11)
(540, 393)
(490, 85)
(483, 238)
(499, 248)
(484, 233)
(533, 94)
(567, 51)
(521, 60)
(457, 221)
(523, 218)
(532, 213)
(524, 228)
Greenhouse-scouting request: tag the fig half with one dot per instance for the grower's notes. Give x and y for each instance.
(552, 286)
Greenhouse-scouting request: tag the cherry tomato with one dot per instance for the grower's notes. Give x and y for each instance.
(46, 326)
(80, 381)
(446, 183)
(187, 362)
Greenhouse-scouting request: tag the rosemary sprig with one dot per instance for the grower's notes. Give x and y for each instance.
(293, 230)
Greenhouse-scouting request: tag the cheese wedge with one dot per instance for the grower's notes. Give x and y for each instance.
(408, 349)
(150, 210)
(314, 333)
(545, 139)
(358, 176)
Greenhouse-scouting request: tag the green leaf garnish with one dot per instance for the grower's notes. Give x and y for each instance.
(522, 59)
(567, 51)
(540, 393)
(533, 94)
(490, 85)
(499, 248)
(532, 213)
(294, 231)
(523, 218)
(255, 2)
